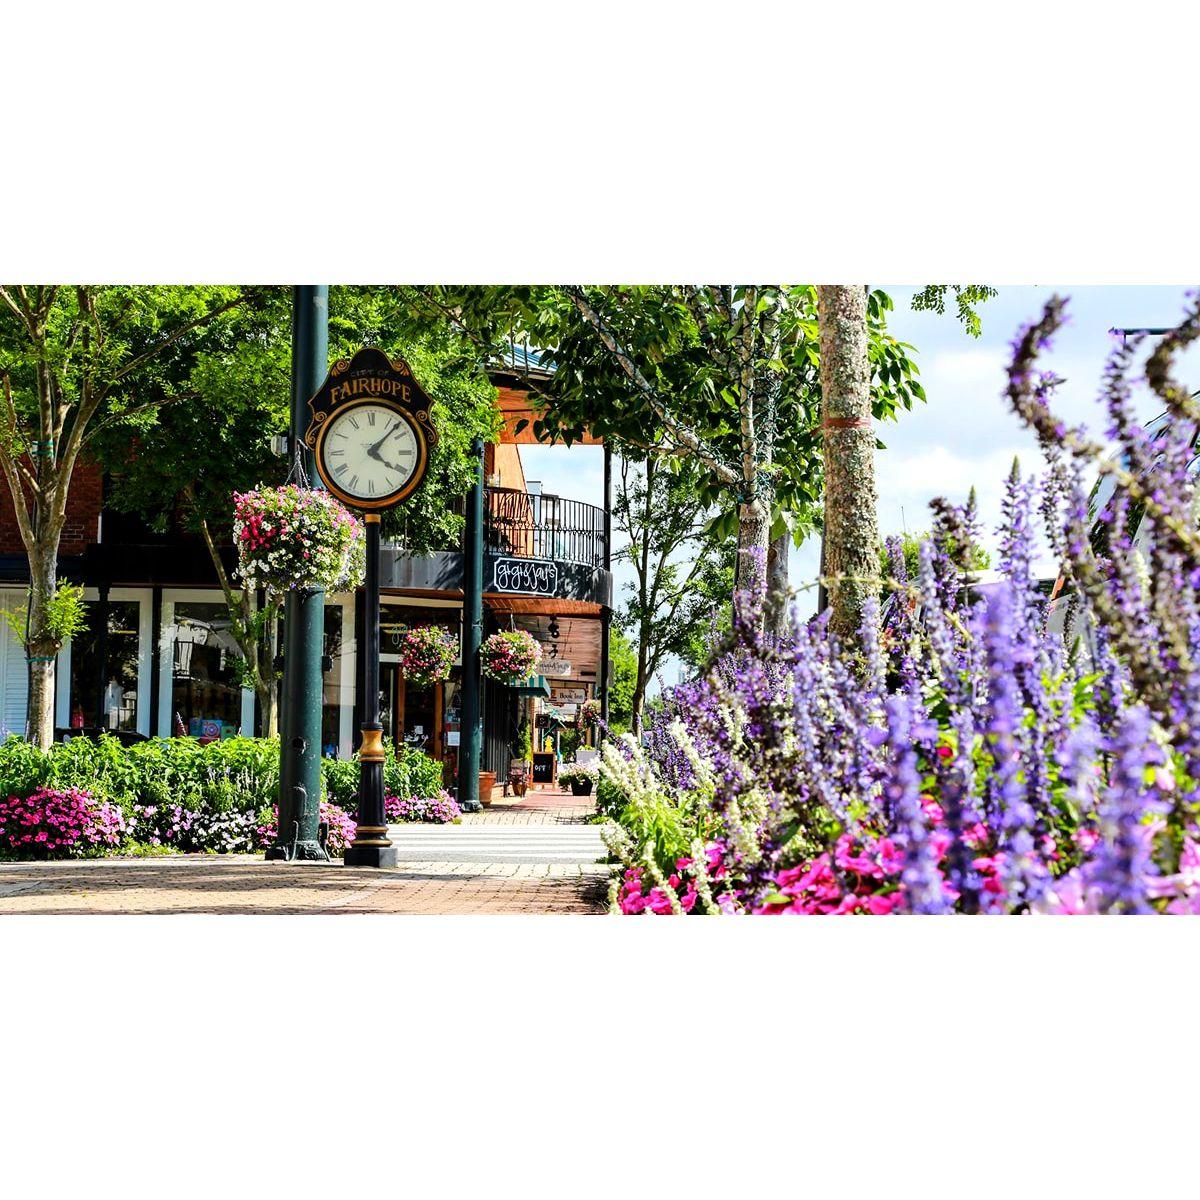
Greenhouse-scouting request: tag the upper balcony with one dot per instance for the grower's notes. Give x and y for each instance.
(527, 525)
(535, 545)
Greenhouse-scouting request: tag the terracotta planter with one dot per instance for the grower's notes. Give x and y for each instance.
(487, 781)
(519, 786)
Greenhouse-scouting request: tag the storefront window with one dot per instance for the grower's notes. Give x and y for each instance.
(206, 689)
(104, 692)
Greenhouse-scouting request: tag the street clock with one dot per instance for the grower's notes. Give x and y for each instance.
(370, 436)
(370, 431)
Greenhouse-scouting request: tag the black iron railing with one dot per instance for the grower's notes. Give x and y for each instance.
(522, 525)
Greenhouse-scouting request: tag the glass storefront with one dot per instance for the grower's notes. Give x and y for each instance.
(206, 688)
(104, 669)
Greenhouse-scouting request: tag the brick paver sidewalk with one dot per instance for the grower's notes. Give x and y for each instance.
(530, 874)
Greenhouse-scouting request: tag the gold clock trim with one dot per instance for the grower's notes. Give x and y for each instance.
(391, 500)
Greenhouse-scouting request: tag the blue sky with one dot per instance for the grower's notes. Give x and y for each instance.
(964, 435)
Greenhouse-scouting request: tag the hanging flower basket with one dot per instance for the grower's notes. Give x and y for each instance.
(509, 657)
(589, 711)
(426, 654)
(290, 538)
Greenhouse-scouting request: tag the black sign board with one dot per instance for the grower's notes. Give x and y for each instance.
(543, 767)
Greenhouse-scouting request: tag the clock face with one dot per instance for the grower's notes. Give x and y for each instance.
(369, 453)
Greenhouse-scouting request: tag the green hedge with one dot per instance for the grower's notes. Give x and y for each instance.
(406, 773)
(236, 774)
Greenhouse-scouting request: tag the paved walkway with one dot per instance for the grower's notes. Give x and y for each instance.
(536, 855)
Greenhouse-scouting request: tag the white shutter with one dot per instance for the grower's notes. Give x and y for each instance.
(14, 674)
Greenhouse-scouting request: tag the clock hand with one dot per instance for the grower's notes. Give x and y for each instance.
(373, 451)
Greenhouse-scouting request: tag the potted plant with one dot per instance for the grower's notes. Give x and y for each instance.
(427, 653)
(509, 657)
(487, 781)
(589, 711)
(292, 538)
(581, 776)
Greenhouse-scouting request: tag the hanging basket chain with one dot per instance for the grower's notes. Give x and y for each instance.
(297, 474)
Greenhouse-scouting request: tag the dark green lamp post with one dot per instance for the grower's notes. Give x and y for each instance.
(304, 612)
(468, 759)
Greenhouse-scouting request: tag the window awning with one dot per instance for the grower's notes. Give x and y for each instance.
(535, 685)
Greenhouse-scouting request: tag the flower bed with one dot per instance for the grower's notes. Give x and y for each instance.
(175, 796)
(292, 537)
(59, 823)
(510, 657)
(441, 809)
(964, 761)
(427, 653)
(340, 829)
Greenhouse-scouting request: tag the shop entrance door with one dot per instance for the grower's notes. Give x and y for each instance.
(410, 714)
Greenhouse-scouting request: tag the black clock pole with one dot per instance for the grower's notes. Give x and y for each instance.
(372, 846)
(304, 614)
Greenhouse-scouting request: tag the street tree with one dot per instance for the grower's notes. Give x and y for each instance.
(73, 362)
(725, 377)
(682, 569)
(623, 665)
(851, 557)
(185, 462)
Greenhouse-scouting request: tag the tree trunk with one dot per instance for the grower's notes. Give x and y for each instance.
(643, 679)
(848, 438)
(754, 531)
(42, 647)
(268, 705)
(778, 593)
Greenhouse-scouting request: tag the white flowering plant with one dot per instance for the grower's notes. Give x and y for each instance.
(291, 538)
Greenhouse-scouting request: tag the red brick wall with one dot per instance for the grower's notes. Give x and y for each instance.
(83, 508)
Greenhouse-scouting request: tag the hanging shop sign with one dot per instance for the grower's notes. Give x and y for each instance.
(554, 668)
(528, 576)
(370, 431)
(568, 694)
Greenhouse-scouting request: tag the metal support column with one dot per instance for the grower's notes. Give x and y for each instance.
(471, 725)
(304, 613)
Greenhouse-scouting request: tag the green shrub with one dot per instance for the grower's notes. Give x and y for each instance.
(237, 778)
(233, 775)
(341, 781)
(23, 767)
(406, 772)
(409, 772)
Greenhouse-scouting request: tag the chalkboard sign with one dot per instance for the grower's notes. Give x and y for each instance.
(543, 768)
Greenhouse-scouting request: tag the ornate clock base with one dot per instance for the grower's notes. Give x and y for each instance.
(360, 855)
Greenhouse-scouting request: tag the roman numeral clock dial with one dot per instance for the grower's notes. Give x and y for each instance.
(369, 453)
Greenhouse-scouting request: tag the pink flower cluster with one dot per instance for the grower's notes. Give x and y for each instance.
(427, 653)
(439, 810)
(294, 537)
(863, 874)
(53, 822)
(633, 897)
(341, 826)
(510, 657)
